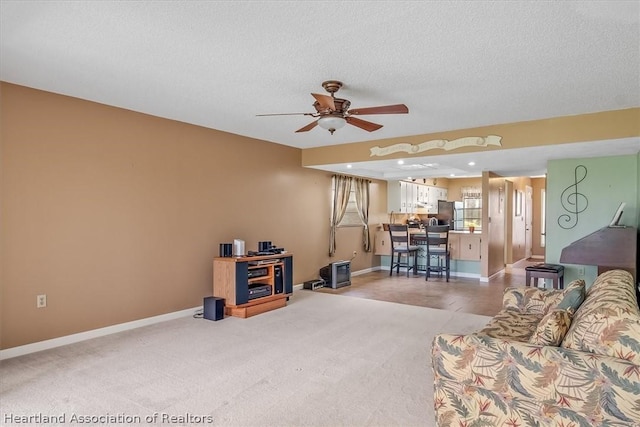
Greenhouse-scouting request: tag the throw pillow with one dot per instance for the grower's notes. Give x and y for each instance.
(541, 301)
(555, 297)
(552, 328)
(574, 296)
(511, 325)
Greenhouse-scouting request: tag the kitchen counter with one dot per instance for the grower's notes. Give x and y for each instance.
(465, 250)
(421, 231)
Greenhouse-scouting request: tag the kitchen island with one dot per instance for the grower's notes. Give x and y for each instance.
(463, 245)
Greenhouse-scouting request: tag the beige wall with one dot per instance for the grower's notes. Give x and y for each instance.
(454, 191)
(116, 215)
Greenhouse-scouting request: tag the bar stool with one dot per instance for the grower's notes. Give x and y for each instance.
(555, 272)
(401, 247)
(438, 247)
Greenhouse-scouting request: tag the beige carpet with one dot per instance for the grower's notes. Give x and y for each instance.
(324, 360)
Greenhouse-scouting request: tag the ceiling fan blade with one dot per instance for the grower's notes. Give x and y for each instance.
(308, 127)
(385, 109)
(325, 101)
(363, 124)
(286, 114)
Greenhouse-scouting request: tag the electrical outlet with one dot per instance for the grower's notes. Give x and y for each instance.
(355, 253)
(580, 271)
(41, 301)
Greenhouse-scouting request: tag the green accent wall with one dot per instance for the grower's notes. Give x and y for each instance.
(608, 182)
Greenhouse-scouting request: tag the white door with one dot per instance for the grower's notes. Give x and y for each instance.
(528, 221)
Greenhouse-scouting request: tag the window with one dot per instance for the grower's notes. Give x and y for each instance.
(518, 198)
(351, 217)
(471, 208)
(472, 212)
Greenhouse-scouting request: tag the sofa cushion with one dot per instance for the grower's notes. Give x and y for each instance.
(608, 321)
(612, 288)
(602, 332)
(482, 381)
(511, 325)
(552, 328)
(541, 301)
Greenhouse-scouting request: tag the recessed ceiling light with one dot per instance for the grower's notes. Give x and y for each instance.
(453, 174)
(401, 162)
(471, 163)
(348, 166)
(408, 177)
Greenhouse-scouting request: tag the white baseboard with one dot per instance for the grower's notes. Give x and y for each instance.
(108, 330)
(353, 273)
(366, 270)
(486, 279)
(95, 333)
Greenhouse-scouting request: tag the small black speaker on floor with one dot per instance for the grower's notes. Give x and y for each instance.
(213, 308)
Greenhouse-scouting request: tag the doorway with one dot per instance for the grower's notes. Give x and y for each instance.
(528, 220)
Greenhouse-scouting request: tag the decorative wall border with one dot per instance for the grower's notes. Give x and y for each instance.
(443, 144)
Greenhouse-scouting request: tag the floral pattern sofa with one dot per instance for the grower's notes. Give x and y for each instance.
(564, 358)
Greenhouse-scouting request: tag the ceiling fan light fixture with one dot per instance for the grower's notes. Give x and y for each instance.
(331, 123)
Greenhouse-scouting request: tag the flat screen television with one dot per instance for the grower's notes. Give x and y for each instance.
(336, 274)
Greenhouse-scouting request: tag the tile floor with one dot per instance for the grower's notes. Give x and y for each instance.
(459, 294)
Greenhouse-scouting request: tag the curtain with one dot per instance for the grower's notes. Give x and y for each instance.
(362, 203)
(341, 193)
(471, 193)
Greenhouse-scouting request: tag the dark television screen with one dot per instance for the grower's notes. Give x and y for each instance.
(337, 274)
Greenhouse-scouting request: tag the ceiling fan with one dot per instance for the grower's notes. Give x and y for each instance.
(333, 113)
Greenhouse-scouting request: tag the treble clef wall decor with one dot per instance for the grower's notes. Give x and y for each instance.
(572, 201)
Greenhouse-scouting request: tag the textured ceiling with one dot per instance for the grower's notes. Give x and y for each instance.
(455, 64)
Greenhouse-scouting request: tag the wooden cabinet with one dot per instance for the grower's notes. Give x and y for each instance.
(469, 247)
(401, 196)
(382, 243)
(237, 280)
(454, 245)
(465, 246)
(412, 197)
(435, 194)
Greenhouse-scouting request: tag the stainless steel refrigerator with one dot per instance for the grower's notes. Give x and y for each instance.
(451, 213)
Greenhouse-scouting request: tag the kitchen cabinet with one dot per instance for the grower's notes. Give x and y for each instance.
(435, 194)
(440, 194)
(465, 246)
(395, 196)
(469, 248)
(412, 197)
(382, 243)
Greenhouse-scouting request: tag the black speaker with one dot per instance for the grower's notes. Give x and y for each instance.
(278, 279)
(213, 308)
(226, 249)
